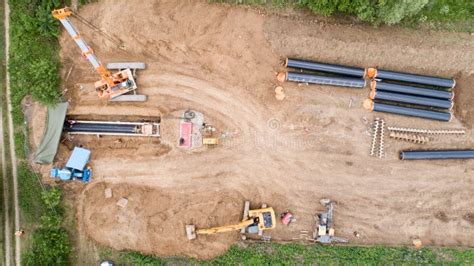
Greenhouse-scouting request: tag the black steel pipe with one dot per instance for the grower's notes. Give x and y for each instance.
(410, 99)
(317, 79)
(100, 128)
(436, 154)
(323, 67)
(426, 92)
(387, 108)
(412, 78)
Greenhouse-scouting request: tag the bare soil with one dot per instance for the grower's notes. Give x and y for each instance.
(221, 60)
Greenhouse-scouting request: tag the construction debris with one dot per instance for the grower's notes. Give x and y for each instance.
(129, 98)
(208, 138)
(415, 138)
(356, 234)
(374, 134)
(210, 141)
(122, 203)
(108, 193)
(377, 147)
(279, 93)
(287, 218)
(417, 243)
(324, 230)
(428, 131)
(381, 152)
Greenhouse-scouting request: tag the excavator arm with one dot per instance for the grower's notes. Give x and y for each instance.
(263, 218)
(225, 228)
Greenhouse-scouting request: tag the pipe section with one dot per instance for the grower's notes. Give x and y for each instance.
(316, 79)
(387, 108)
(437, 154)
(404, 98)
(411, 78)
(101, 128)
(390, 87)
(328, 68)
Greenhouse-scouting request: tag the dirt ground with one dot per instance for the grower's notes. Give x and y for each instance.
(221, 60)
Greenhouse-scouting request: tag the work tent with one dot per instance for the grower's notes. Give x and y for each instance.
(52, 134)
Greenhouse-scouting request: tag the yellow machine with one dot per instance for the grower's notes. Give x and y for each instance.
(210, 141)
(254, 221)
(110, 85)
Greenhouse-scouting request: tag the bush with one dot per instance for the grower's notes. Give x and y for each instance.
(40, 21)
(384, 11)
(375, 11)
(393, 12)
(43, 76)
(51, 247)
(34, 59)
(29, 190)
(34, 69)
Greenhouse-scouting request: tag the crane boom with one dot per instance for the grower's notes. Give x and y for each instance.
(110, 85)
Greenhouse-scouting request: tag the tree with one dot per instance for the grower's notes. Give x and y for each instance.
(394, 11)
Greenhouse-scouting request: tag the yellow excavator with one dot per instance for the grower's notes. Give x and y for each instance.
(255, 221)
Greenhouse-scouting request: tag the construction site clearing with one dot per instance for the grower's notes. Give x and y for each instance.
(223, 131)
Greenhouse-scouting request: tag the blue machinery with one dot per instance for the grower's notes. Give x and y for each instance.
(76, 167)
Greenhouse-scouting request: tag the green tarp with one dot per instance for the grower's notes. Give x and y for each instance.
(52, 134)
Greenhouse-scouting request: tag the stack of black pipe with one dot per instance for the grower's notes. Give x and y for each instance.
(324, 74)
(412, 95)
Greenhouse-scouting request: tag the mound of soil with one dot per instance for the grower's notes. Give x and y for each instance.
(153, 221)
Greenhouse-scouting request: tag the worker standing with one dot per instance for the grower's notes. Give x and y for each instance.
(19, 233)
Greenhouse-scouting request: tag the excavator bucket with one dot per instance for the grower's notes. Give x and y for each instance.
(191, 231)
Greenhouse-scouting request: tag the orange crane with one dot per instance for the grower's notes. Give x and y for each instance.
(111, 85)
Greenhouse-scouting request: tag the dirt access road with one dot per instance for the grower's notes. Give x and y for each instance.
(221, 60)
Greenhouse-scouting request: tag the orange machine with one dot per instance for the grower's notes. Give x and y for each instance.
(110, 85)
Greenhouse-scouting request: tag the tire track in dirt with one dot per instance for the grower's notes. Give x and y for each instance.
(6, 197)
(11, 137)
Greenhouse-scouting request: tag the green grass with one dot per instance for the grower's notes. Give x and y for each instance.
(9, 185)
(2, 89)
(85, 2)
(29, 195)
(298, 254)
(34, 70)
